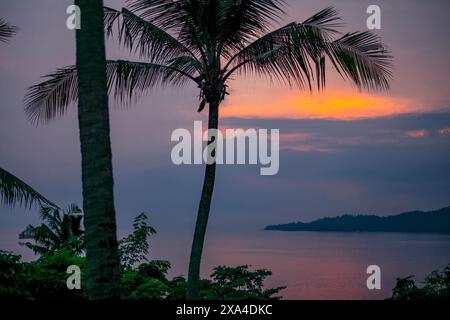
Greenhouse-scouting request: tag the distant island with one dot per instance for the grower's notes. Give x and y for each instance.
(437, 221)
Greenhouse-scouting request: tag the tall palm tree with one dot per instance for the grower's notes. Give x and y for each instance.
(103, 262)
(14, 191)
(60, 229)
(207, 43)
(6, 30)
(90, 87)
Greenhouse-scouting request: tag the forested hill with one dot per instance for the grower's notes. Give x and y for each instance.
(437, 221)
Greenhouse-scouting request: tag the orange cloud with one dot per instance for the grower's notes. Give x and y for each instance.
(337, 104)
(444, 131)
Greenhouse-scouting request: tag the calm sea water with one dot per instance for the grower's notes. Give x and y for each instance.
(316, 265)
(313, 265)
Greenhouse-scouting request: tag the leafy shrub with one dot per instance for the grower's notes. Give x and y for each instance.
(436, 286)
(134, 248)
(238, 283)
(46, 277)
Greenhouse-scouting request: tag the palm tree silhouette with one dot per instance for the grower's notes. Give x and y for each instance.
(90, 88)
(60, 229)
(103, 260)
(207, 43)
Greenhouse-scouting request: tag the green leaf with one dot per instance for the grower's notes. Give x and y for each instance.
(14, 191)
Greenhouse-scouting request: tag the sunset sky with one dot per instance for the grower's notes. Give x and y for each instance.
(342, 151)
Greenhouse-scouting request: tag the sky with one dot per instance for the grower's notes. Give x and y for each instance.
(342, 151)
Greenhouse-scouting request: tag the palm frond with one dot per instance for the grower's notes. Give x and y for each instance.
(296, 54)
(42, 234)
(37, 249)
(52, 98)
(6, 31)
(51, 217)
(225, 24)
(130, 79)
(186, 64)
(180, 17)
(240, 21)
(326, 22)
(185, 18)
(28, 233)
(319, 27)
(288, 54)
(166, 14)
(15, 191)
(60, 229)
(44, 238)
(137, 34)
(362, 58)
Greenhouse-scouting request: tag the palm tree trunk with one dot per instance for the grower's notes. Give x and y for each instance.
(193, 284)
(103, 264)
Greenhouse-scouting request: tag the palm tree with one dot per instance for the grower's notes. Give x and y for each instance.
(90, 87)
(6, 30)
(103, 262)
(207, 43)
(61, 229)
(15, 191)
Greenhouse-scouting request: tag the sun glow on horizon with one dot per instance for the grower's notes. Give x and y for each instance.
(336, 104)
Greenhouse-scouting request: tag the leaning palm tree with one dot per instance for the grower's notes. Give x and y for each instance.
(60, 229)
(6, 30)
(208, 43)
(14, 191)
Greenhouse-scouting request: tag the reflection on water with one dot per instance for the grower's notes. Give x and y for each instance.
(316, 265)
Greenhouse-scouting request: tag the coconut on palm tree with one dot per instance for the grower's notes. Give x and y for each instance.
(207, 43)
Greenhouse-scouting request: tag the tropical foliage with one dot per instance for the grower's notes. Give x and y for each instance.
(44, 278)
(134, 248)
(436, 286)
(238, 283)
(141, 279)
(60, 229)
